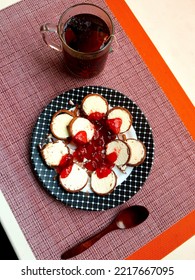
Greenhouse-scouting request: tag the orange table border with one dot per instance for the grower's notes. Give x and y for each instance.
(155, 63)
(184, 229)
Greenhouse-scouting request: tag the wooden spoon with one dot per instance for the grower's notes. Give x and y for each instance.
(127, 218)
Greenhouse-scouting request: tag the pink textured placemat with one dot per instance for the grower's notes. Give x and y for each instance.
(31, 76)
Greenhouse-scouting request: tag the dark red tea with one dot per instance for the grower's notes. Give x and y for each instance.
(86, 33)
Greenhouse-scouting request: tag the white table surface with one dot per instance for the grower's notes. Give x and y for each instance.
(171, 27)
(170, 24)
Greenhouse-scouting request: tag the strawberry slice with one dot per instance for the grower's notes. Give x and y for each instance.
(112, 157)
(66, 160)
(103, 172)
(81, 137)
(66, 171)
(114, 125)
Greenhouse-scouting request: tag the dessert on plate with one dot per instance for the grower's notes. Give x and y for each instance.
(119, 150)
(94, 106)
(73, 178)
(81, 130)
(53, 152)
(89, 143)
(123, 116)
(138, 152)
(103, 184)
(59, 123)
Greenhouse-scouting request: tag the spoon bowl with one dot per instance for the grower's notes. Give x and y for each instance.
(127, 218)
(131, 217)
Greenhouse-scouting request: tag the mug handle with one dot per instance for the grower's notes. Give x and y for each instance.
(47, 28)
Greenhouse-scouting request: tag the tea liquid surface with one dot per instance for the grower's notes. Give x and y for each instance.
(86, 33)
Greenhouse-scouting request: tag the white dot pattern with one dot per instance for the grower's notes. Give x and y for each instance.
(90, 201)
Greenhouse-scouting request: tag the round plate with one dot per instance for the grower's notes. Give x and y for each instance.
(91, 201)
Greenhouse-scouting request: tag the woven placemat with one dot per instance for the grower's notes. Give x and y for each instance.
(31, 76)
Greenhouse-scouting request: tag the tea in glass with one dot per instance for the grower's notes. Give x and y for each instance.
(86, 33)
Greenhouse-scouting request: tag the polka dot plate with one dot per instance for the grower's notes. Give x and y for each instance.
(128, 186)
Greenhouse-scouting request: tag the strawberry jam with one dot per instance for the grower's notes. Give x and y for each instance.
(112, 157)
(66, 171)
(94, 151)
(103, 171)
(114, 125)
(96, 116)
(64, 167)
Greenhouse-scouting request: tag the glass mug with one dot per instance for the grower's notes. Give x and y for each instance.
(85, 32)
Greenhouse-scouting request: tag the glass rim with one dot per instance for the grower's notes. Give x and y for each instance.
(86, 53)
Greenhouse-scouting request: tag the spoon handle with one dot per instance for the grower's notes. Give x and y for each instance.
(87, 243)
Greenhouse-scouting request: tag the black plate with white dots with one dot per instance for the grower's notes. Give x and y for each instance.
(91, 201)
